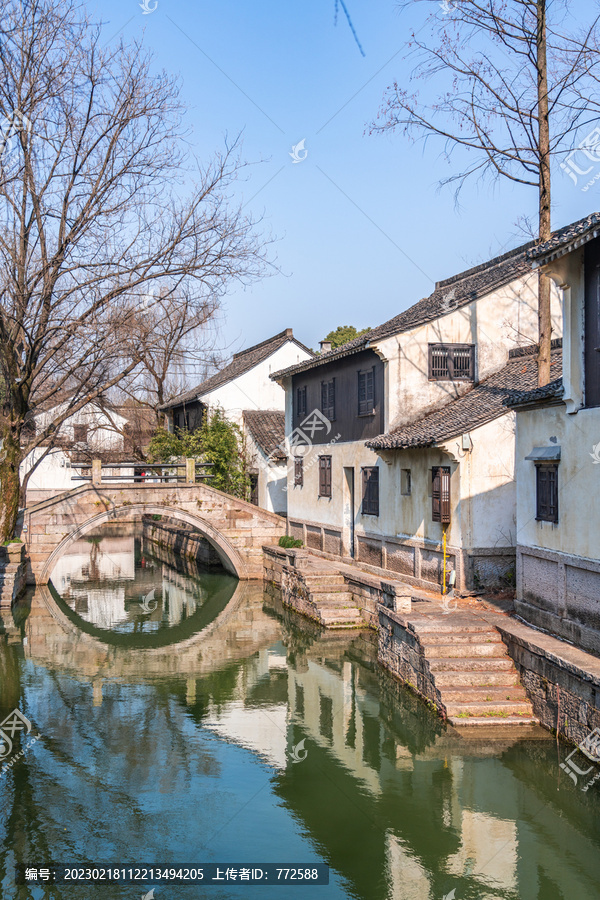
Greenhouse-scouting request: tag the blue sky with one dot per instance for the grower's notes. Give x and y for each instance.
(362, 230)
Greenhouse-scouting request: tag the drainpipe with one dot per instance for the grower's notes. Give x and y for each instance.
(445, 527)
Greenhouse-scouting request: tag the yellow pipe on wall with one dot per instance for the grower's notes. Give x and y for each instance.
(445, 527)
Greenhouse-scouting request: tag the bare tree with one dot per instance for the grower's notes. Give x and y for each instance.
(102, 204)
(516, 91)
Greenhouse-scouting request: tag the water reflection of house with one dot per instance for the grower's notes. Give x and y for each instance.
(400, 806)
(181, 595)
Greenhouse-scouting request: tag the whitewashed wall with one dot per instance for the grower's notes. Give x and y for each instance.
(254, 389)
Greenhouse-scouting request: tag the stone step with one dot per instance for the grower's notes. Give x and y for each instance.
(315, 580)
(334, 588)
(471, 664)
(500, 708)
(506, 721)
(480, 679)
(457, 650)
(488, 637)
(443, 625)
(338, 598)
(340, 615)
(471, 693)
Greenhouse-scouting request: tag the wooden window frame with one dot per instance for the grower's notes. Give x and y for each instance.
(370, 499)
(546, 492)
(325, 466)
(440, 494)
(328, 399)
(366, 406)
(298, 471)
(450, 350)
(301, 401)
(77, 429)
(406, 489)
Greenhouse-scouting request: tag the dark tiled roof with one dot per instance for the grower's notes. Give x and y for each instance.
(483, 403)
(240, 364)
(552, 391)
(448, 295)
(565, 239)
(267, 427)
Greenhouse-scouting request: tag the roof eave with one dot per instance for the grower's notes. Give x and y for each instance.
(569, 247)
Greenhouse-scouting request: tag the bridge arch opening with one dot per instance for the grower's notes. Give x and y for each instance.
(231, 559)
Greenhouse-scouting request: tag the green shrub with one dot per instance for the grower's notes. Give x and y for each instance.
(288, 541)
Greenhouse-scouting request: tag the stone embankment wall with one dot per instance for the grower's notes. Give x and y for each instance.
(181, 541)
(400, 652)
(562, 682)
(301, 578)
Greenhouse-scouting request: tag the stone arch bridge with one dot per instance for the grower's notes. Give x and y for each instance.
(237, 530)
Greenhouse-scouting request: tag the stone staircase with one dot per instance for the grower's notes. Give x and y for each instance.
(334, 604)
(476, 678)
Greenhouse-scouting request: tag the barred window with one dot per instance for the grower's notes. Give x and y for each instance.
(298, 471)
(451, 362)
(440, 494)
(370, 503)
(547, 492)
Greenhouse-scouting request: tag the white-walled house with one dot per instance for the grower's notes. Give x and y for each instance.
(244, 391)
(267, 458)
(558, 455)
(94, 431)
(243, 384)
(414, 439)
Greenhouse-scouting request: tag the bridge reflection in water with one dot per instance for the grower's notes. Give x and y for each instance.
(188, 752)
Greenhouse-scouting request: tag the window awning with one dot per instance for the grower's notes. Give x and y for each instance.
(545, 454)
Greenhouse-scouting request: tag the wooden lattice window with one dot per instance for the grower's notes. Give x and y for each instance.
(366, 392)
(547, 492)
(324, 476)
(328, 399)
(370, 502)
(298, 471)
(440, 494)
(451, 362)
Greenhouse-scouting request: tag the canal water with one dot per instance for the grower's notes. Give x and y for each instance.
(183, 718)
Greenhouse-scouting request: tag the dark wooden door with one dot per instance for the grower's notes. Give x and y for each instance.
(592, 323)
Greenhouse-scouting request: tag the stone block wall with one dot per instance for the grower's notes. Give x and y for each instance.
(400, 652)
(560, 594)
(564, 697)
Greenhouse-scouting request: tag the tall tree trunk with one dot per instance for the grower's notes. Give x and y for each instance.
(545, 227)
(10, 458)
